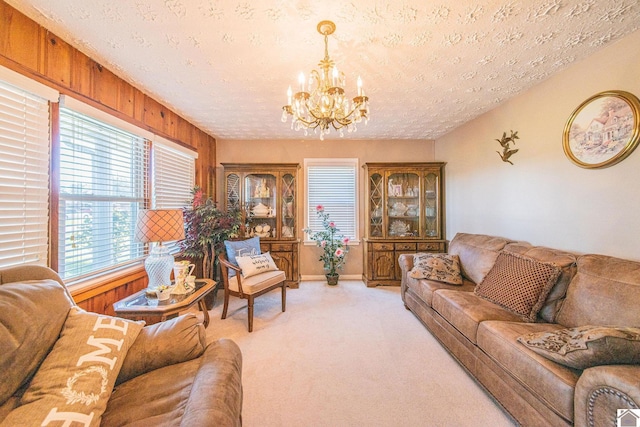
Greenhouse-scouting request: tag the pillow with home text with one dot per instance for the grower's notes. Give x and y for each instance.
(75, 381)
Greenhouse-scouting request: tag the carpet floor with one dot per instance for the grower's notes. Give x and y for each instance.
(347, 355)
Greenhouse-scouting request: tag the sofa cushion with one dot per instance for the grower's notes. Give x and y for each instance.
(587, 346)
(166, 343)
(567, 263)
(610, 284)
(439, 267)
(465, 310)
(31, 317)
(425, 288)
(75, 381)
(519, 284)
(206, 391)
(477, 253)
(552, 383)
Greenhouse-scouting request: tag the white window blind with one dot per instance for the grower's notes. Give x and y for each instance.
(24, 177)
(103, 177)
(173, 175)
(332, 183)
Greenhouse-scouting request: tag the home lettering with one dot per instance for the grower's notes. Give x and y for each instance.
(100, 356)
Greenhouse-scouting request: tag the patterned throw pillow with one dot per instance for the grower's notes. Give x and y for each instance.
(237, 248)
(439, 267)
(256, 264)
(587, 346)
(75, 381)
(519, 284)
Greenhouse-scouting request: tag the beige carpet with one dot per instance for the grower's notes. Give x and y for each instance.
(347, 356)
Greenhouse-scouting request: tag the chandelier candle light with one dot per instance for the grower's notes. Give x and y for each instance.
(324, 105)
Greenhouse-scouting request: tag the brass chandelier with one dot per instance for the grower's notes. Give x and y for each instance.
(323, 104)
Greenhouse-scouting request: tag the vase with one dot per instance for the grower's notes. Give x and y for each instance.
(332, 279)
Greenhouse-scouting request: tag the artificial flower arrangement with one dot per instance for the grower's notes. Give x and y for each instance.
(334, 246)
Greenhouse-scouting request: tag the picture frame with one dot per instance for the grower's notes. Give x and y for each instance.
(603, 130)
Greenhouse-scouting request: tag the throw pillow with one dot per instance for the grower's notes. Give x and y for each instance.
(174, 341)
(75, 381)
(256, 264)
(237, 248)
(439, 267)
(32, 314)
(518, 284)
(587, 346)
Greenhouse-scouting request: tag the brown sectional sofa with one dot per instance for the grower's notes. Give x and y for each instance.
(164, 374)
(482, 336)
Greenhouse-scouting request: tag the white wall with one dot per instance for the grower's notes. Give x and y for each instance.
(544, 198)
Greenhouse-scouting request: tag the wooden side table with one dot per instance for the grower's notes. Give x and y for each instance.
(143, 306)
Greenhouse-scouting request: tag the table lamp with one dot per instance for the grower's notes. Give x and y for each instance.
(159, 225)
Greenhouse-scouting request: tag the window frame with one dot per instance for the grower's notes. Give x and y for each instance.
(310, 210)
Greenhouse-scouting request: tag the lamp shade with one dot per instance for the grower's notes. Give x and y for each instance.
(160, 225)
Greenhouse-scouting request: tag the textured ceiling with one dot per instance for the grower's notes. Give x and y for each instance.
(427, 66)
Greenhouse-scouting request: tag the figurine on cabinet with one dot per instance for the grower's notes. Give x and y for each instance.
(262, 190)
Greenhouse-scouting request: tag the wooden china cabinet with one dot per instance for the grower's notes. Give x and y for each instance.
(268, 194)
(404, 213)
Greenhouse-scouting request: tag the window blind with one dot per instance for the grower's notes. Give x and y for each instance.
(103, 179)
(173, 174)
(332, 184)
(173, 177)
(24, 177)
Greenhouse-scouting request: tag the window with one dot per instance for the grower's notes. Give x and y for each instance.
(332, 183)
(24, 170)
(103, 180)
(173, 177)
(173, 174)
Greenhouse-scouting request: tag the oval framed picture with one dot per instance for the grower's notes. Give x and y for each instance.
(603, 130)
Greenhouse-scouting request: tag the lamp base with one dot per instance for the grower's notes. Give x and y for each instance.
(159, 265)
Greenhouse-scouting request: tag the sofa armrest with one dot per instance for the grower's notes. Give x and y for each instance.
(173, 341)
(405, 261)
(602, 390)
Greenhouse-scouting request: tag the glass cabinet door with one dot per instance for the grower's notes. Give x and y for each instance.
(376, 186)
(431, 205)
(233, 191)
(289, 210)
(403, 203)
(260, 203)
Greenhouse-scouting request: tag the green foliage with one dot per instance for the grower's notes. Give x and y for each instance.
(206, 229)
(334, 246)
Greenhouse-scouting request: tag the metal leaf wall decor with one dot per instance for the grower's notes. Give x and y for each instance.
(506, 142)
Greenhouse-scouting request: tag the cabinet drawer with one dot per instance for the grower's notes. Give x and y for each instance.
(382, 246)
(435, 247)
(405, 246)
(281, 247)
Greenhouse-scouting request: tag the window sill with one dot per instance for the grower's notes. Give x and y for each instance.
(90, 287)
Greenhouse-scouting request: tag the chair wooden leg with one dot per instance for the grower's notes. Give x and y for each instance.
(284, 297)
(226, 304)
(250, 307)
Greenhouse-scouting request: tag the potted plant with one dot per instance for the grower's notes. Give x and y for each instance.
(334, 246)
(206, 229)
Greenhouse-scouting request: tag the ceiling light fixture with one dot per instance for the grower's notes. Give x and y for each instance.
(324, 105)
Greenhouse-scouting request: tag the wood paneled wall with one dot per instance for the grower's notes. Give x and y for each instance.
(33, 51)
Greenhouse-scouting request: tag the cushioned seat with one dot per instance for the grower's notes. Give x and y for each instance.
(425, 288)
(551, 382)
(255, 284)
(465, 311)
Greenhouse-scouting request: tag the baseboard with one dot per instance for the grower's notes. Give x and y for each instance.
(321, 277)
